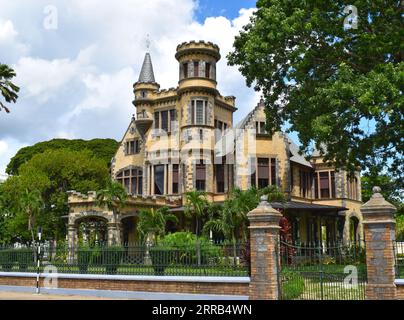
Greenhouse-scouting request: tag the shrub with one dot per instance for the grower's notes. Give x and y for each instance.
(292, 285)
(111, 257)
(185, 246)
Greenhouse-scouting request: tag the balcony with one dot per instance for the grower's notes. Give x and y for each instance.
(143, 122)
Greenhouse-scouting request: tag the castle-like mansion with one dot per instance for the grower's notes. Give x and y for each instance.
(184, 138)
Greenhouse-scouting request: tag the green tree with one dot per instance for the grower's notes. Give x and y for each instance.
(232, 218)
(113, 197)
(340, 88)
(7, 88)
(152, 222)
(31, 204)
(102, 149)
(196, 206)
(4, 215)
(52, 173)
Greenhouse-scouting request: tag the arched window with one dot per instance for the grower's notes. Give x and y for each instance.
(132, 180)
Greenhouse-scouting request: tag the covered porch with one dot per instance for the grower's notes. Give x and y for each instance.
(313, 224)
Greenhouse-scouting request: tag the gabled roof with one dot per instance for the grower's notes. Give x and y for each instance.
(244, 121)
(294, 149)
(316, 152)
(147, 73)
(296, 156)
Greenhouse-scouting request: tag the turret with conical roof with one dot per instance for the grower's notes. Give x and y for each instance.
(143, 90)
(146, 83)
(147, 74)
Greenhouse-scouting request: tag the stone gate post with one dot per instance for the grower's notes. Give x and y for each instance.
(72, 242)
(379, 225)
(264, 235)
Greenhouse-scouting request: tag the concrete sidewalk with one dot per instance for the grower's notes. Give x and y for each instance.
(28, 293)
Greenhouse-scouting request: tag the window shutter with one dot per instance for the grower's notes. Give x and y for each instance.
(191, 112)
(191, 69)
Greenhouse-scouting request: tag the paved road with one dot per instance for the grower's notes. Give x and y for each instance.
(31, 296)
(28, 293)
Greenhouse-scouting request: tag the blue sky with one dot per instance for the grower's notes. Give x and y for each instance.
(76, 61)
(227, 8)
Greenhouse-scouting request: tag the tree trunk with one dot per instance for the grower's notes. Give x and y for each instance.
(198, 247)
(30, 227)
(234, 249)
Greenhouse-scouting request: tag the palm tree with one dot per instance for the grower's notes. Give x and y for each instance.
(233, 214)
(31, 203)
(153, 222)
(113, 197)
(7, 88)
(196, 205)
(274, 194)
(228, 222)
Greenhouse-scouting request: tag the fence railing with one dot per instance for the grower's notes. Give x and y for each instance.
(319, 271)
(399, 256)
(136, 259)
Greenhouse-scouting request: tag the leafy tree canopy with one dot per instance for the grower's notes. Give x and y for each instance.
(51, 173)
(339, 87)
(103, 149)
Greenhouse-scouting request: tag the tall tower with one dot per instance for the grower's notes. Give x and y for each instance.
(197, 95)
(197, 62)
(144, 89)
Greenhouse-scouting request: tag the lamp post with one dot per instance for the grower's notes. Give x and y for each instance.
(38, 260)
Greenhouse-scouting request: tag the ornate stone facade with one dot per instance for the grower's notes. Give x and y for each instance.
(183, 139)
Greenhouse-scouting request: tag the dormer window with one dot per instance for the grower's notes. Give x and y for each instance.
(260, 127)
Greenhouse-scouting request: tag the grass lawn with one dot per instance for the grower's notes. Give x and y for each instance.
(331, 291)
(328, 282)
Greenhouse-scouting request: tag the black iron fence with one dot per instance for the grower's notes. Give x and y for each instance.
(399, 256)
(135, 259)
(322, 271)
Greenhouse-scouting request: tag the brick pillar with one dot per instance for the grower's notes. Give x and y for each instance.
(379, 225)
(264, 235)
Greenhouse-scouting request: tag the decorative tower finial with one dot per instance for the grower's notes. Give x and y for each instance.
(376, 189)
(148, 42)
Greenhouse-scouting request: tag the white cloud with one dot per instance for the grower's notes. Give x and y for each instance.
(7, 31)
(42, 78)
(9, 42)
(8, 148)
(76, 81)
